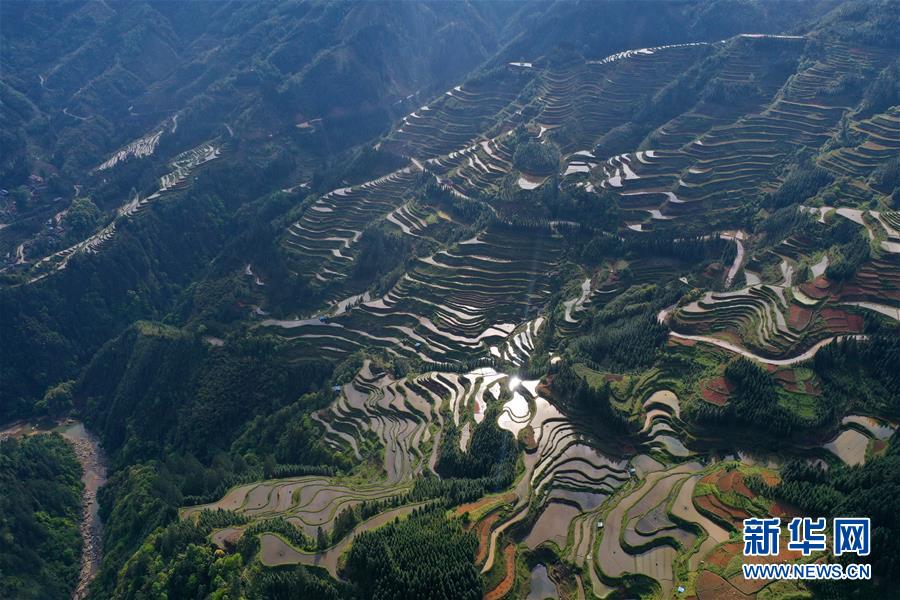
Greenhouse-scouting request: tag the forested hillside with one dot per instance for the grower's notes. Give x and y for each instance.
(40, 506)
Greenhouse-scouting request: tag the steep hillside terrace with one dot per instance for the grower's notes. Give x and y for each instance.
(399, 413)
(881, 143)
(598, 96)
(449, 306)
(183, 166)
(730, 161)
(321, 243)
(460, 116)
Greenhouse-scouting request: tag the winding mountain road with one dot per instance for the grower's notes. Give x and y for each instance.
(769, 361)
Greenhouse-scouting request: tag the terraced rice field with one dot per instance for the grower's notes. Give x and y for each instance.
(321, 243)
(857, 437)
(881, 142)
(640, 537)
(306, 502)
(728, 500)
(183, 165)
(783, 321)
(455, 119)
(610, 513)
(144, 146)
(399, 413)
(275, 551)
(453, 304)
(698, 163)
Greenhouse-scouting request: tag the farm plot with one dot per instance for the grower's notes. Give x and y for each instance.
(183, 165)
(306, 502)
(457, 118)
(566, 480)
(639, 534)
(723, 496)
(777, 321)
(759, 315)
(474, 169)
(400, 413)
(725, 161)
(662, 423)
(520, 343)
(139, 148)
(451, 305)
(275, 551)
(600, 95)
(859, 438)
(320, 244)
(881, 143)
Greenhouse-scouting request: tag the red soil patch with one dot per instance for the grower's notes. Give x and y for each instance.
(716, 390)
(751, 586)
(473, 506)
(798, 317)
(674, 341)
(840, 321)
(721, 384)
(712, 587)
(726, 480)
(722, 555)
(817, 289)
(713, 397)
(484, 536)
(785, 511)
(509, 557)
(728, 514)
(613, 377)
(741, 487)
(787, 376)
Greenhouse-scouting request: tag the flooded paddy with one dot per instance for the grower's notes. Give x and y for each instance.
(541, 586)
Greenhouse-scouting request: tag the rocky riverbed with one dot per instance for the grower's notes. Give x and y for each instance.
(93, 465)
(93, 475)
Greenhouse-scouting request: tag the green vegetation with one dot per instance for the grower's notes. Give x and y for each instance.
(491, 455)
(423, 556)
(40, 508)
(178, 562)
(324, 277)
(867, 491)
(534, 157)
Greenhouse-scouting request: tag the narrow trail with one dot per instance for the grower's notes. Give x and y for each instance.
(509, 557)
(737, 237)
(769, 361)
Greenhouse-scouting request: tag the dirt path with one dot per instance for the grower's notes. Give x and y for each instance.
(509, 557)
(769, 361)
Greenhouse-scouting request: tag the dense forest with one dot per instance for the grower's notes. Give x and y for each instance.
(423, 556)
(869, 490)
(40, 508)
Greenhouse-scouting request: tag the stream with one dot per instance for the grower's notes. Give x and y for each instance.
(93, 475)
